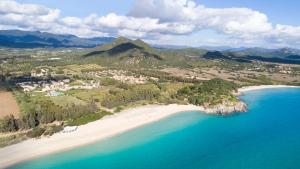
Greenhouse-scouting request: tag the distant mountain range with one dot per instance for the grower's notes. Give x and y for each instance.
(282, 55)
(169, 46)
(216, 48)
(36, 39)
(126, 48)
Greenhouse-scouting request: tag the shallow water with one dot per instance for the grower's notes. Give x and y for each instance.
(266, 137)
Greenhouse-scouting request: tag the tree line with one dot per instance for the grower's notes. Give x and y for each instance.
(44, 112)
(131, 95)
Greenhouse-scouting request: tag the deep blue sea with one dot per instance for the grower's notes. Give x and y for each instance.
(265, 137)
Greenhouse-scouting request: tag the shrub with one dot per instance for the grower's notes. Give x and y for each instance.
(87, 118)
(36, 132)
(118, 109)
(53, 129)
(8, 124)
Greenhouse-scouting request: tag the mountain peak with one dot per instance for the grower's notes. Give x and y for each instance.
(120, 40)
(125, 47)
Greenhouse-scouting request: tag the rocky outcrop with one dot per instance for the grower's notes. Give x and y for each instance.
(227, 108)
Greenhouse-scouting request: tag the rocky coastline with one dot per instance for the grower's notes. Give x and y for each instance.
(227, 109)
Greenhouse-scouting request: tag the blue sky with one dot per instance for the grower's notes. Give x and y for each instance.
(263, 23)
(83, 8)
(278, 11)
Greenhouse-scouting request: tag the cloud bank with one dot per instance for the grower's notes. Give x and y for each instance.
(154, 20)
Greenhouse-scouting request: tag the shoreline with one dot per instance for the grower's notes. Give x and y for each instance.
(104, 128)
(90, 133)
(261, 87)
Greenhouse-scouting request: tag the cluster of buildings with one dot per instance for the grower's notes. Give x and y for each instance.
(273, 69)
(130, 79)
(285, 69)
(55, 88)
(120, 75)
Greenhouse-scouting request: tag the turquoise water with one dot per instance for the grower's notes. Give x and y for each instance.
(266, 137)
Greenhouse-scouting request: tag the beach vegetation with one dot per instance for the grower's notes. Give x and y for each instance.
(87, 118)
(36, 132)
(12, 139)
(51, 129)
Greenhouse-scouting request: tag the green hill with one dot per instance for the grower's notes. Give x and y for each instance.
(125, 52)
(123, 47)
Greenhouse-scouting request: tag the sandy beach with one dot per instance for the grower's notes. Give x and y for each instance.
(251, 88)
(89, 133)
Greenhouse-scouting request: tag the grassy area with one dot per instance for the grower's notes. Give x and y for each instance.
(67, 101)
(88, 118)
(88, 95)
(82, 68)
(133, 94)
(12, 139)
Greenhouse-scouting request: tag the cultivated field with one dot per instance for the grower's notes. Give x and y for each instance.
(8, 104)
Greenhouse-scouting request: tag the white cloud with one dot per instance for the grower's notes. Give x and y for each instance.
(10, 6)
(244, 25)
(71, 21)
(228, 20)
(27, 16)
(165, 10)
(155, 20)
(287, 31)
(143, 26)
(131, 33)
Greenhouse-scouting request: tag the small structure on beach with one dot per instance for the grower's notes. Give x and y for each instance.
(69, 129)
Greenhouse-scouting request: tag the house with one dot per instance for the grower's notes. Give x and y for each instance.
(39, 73)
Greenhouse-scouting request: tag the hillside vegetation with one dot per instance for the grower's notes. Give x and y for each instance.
(125, 48)
(209, 93)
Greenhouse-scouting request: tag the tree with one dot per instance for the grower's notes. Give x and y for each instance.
(2, 73)
(8, 124)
